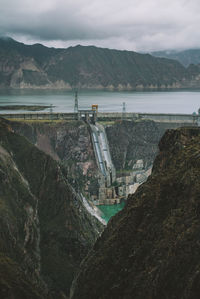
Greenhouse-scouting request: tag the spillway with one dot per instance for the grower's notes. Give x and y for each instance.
(102, 153)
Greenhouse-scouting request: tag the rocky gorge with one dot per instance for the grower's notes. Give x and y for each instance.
(49, 180)
(151, 248)
(70, 143)
(46, 229)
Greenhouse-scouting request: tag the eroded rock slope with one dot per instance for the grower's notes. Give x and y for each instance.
(151, 249)
(45, 229)
(69, 143)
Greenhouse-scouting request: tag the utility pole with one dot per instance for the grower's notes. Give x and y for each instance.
(123, 111)
(76, 102)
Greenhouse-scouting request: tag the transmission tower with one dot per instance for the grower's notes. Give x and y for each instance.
(123, 111)
(51, 112)
(76, 102)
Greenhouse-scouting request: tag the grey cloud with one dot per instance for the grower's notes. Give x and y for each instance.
(128, 24)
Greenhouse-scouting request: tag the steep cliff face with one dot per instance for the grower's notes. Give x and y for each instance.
(69, 143)
(151, 248)
(21, 66)
(18, 71)
(45, 229)
(130, 141)
(20, 235)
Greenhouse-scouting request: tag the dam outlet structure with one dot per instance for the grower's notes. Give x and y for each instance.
(107, 171)
(111, 187)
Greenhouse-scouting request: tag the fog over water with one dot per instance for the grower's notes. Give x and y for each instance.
(63, 101)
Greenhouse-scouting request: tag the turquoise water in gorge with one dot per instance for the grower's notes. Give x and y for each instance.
(147, 101)
(110, 210)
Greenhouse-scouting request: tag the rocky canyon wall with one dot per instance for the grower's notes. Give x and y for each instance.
(151, 248)
(45, 228)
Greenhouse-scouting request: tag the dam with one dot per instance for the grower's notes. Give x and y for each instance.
(102, 153)
(114, 184)
(89, 115)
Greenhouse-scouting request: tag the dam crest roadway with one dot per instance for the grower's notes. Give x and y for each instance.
(93, 116)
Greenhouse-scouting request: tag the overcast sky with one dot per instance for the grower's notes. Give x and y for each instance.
(139, 25)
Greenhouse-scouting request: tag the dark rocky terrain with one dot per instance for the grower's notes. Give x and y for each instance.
(68, 143)
(151, 249)
(36, 66)
(130, 141)
(45, 229)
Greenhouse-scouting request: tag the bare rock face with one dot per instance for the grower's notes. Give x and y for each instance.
(131, 141)
(151, 249)
(68, 143)
(45, 228)
(20, 233)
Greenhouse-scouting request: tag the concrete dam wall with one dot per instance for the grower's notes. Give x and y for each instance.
(157, 117)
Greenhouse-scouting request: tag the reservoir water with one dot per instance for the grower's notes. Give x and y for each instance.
(184, 101)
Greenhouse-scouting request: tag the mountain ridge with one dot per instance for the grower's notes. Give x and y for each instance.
(185, 57)
(89, 67)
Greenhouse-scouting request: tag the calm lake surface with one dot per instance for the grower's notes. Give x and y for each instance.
(147, 101)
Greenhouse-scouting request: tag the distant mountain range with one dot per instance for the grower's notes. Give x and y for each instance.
(37, 66)
(186, 57)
